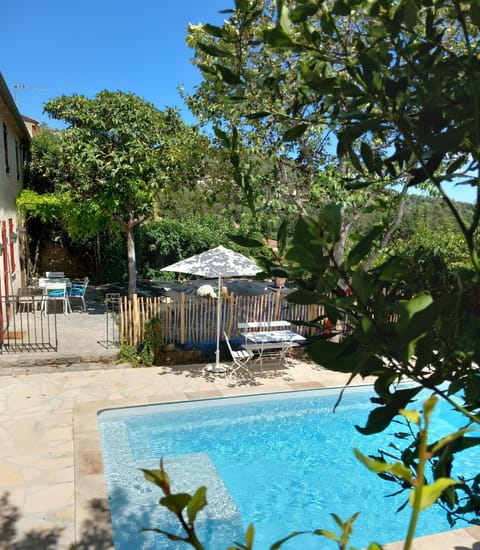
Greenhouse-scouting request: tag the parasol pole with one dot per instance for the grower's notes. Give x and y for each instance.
(217, 367)
(219, 322)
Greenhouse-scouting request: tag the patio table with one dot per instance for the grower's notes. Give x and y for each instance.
(272, 343)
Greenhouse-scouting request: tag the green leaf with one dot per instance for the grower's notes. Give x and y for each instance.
(327, 23)
(245, 241)
(326, 534)
(394, 269)
(429, 405)
(410, 14)
(213, 50)
(196, 503)
(256, 116)
(361, 285)
(176, 503)
(334, 357)
(283, 17)
(277, 38)
(234, 98)
(222, 136)
(249, 535)
(355, 160)
(342, 7)
(295, 132)
(228, 75)
(281, 542)
(282, 236)
(380, 418)
(302, 12)
(415, 305)
(332, 217)
(431, 493)
(241, 5)
(169, 535)
(159, 478)
(213, 30)
(367, 156)
(397, 469)
(464, 444)
(411, 416)
(362, 249)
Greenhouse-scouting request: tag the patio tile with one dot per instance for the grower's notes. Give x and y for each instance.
(48, 499)
(10, 476)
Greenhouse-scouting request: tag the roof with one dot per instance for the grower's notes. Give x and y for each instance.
(10, 110)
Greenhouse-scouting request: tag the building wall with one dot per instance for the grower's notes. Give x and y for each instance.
(13, 144)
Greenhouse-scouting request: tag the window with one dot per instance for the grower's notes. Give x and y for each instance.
(17, 158)
(5, 147)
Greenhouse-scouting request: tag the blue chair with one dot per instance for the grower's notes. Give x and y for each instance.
(77, 290)
(56, 292)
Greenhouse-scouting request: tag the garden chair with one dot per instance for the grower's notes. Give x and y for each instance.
(56, 292)
(240, 357)
(77, 290)
(25, 299)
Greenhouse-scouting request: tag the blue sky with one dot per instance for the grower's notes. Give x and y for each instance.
(57, 47)
(63, 47)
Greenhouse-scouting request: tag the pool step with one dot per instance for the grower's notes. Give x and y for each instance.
(134, 505)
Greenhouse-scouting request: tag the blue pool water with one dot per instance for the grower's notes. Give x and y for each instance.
(281, 461)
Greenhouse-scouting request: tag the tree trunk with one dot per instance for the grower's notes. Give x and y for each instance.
(132, 262)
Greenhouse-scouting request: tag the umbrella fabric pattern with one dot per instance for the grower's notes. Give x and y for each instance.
(216, 262)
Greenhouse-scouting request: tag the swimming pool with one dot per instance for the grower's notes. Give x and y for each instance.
(282, 461)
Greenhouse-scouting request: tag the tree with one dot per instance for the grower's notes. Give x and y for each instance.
(120, 155)
(256, 89)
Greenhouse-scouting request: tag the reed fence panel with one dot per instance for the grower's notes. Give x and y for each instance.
(194, 321)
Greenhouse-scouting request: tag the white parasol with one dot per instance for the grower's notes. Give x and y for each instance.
(217, 263)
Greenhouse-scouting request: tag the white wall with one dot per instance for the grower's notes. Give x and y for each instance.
(11, 183)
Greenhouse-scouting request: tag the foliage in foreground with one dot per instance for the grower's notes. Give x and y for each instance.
(398, 83)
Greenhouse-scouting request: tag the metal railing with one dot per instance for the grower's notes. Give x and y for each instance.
(112, 333)
(24, 327)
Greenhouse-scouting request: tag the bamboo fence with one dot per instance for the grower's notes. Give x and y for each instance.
(194, 321)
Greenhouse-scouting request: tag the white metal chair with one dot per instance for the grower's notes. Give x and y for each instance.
(25, 299)
(55, 274)
(77, 290)
(240, 357)
(56, 292)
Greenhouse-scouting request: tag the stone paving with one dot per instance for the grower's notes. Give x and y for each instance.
(52, 492)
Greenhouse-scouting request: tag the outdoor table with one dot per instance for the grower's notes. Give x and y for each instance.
(44, 280)
(272, 343)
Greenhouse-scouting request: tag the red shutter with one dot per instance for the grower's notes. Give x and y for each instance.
(5, 258)
(12, 246)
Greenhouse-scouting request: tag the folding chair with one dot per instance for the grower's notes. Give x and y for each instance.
(77, 290)
(25, 299)
(240, 357)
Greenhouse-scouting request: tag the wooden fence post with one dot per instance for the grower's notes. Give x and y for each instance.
(182, 318)
(135, 320)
